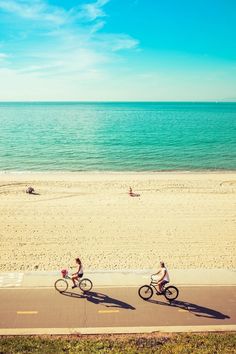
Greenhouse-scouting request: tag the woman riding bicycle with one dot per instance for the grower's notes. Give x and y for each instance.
(78, 274)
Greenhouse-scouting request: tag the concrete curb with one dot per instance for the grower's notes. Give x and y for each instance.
(116, 330)
(119, 278)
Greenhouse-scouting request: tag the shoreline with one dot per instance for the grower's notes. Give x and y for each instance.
(118, 173)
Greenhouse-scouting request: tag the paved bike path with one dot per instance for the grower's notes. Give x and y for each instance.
(115, 310)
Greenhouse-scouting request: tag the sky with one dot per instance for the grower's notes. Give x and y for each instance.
(117, 50)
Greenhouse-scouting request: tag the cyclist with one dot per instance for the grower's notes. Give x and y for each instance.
(78, 274)
(162, 277)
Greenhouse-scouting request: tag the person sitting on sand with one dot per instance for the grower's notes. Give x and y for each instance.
(132, 194)
(78, 274)
(162, 277)
(30, 190)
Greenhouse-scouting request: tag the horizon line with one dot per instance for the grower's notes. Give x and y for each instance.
(120, 101)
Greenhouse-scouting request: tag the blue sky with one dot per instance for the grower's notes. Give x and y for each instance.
(147, 50)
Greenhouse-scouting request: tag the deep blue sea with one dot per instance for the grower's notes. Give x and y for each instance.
(117, 136)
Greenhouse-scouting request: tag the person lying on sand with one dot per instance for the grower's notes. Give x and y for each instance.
(30, 190)
(78, 274)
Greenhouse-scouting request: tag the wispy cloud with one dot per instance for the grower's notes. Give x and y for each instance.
(74, 31)
(60, 42)
(40, 10)
(93, 10)
(34, 10)
(3, 59)
(124, 42)
(3, 56)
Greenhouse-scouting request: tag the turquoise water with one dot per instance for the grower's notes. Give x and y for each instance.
(117, 136)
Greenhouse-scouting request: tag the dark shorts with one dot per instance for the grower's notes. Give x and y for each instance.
(80, 275)
(164, 282)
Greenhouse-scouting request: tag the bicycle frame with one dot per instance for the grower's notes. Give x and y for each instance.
(153, 283)
(68, 277)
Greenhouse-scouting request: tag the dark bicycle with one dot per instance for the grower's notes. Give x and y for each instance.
(146, 291)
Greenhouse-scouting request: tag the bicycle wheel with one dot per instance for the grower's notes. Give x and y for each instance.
(145, 292)
(171, 292)
(85, 284)
(61, 285)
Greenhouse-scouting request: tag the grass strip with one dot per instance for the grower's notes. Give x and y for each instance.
(208, 343)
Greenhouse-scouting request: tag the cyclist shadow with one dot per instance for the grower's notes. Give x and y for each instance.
(100, 299)
(196, 310)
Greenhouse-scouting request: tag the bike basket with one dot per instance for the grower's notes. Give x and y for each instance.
(64, 273)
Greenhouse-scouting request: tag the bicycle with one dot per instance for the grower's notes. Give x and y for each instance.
(62, 284)
(146, 291)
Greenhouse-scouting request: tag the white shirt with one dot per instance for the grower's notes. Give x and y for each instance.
(166, 277)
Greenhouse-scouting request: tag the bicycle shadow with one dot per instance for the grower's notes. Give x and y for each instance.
(196, 310)
(100, 299)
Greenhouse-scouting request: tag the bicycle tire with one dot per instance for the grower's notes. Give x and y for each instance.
(171, 293)
(85, 284)
(61, 285)
(145, 292)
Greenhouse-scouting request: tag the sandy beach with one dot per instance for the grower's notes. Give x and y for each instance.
(186, 219)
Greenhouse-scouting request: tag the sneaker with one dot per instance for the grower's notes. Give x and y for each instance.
(74, 286)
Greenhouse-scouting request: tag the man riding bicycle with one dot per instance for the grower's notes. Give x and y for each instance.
(162, 277)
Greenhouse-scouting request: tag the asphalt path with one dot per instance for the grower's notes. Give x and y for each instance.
(114, 307)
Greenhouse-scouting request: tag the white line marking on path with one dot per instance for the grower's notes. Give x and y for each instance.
(11, 279)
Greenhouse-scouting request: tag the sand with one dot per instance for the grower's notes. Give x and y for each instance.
(186, 219)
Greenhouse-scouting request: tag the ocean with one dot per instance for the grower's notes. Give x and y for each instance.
(117, 136)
